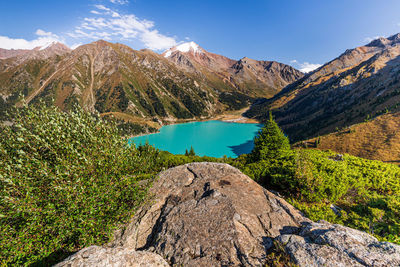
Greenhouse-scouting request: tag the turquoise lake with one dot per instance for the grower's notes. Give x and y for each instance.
(208, 138)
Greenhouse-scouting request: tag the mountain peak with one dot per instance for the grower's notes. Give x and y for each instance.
(184, 48)
(383, 42)
(51, 45)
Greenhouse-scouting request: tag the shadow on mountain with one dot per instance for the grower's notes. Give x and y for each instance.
(244, 148)
(325, 107)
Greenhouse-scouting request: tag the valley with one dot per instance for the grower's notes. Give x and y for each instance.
(143, 90)
(144, 156)
(185, 83)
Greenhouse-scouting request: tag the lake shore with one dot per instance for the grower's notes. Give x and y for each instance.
(235, 116)
(214, 138)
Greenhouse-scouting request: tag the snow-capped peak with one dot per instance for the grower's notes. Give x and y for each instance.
(48, 45)
(184, 48)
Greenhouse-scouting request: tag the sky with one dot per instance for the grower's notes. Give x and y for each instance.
(304, 34)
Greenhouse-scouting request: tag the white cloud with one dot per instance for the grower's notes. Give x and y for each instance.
(305, 66)
(370, 39)
(119, 2)
(76, 45)
(101, 7)
(44, 38)
(40, 32)
(110, 25)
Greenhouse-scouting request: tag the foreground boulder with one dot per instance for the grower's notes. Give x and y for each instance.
(210, 214)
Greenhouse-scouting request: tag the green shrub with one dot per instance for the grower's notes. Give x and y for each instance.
(365, 193)
(66, 181)
(360, 193)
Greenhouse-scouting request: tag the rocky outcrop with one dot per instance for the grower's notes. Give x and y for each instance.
(325, 244)
(116, 257)
(211, 214)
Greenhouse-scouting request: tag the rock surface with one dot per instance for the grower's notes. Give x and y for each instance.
(210, 214)
(325, 244)
(95, 256)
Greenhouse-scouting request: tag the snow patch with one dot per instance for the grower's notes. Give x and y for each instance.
(168, 53)
(184, 48)
(47, 45)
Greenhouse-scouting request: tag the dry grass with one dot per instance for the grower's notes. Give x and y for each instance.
(378, 139)
(235, 116)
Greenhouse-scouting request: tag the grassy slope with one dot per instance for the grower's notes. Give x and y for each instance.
(378, 139)
(365, 192)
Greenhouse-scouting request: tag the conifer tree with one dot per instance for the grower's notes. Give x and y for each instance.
(191, 152)
(270, 143)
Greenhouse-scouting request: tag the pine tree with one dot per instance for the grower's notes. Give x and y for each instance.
(186, 152)
(270, 143)
(191, 152)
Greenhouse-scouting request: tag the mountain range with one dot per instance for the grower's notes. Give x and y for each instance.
(360, 84)
(185, 82)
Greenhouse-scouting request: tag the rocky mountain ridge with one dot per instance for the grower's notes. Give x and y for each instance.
(256, 78)
(361, 83)
(40, 52)
(132, 85)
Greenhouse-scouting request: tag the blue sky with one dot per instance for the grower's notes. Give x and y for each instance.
(292, 31)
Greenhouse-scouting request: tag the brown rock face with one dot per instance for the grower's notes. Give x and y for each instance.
(252, 77)
(22, 55)
(209, 214)
(131, 85)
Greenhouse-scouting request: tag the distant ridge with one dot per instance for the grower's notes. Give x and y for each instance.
(50, 49)
(255, 78)
(361, 83)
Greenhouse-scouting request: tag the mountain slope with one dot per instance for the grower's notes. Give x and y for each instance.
(252, 77)
(377, 139)
(362, 82)
(115, 79)
(43, 52)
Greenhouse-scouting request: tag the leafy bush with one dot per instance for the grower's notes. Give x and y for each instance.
(359, 193)
(365, 192)
(352, 191)
(66, 181)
